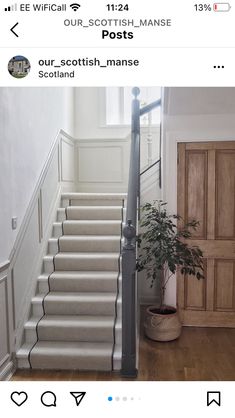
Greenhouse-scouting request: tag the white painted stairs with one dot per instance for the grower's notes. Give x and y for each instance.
(76, 315)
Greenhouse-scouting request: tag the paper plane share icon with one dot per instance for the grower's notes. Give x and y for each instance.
(78, 396)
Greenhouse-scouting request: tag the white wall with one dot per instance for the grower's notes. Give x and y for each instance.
(109, 145)
(29, 121)
(192, 115)
(90, 116)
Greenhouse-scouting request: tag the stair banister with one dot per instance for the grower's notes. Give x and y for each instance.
(148, 108)
(129, 252)
(129, 303)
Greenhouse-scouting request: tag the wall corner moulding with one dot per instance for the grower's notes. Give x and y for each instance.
(4, 265)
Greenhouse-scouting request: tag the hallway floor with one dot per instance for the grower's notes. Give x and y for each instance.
(199, 354)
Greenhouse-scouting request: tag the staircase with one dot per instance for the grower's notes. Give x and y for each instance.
(76, 314)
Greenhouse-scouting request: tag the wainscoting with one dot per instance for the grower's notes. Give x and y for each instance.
(102, 165)
(6, 364)
(18, 277)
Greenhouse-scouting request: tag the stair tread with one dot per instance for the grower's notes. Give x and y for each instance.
(96, 207)
(79, 274)
(87, 255)
(105, 196)
(84, 212)
(91, 221)
(88, 237)
(72, 345)
(79, 320)
(80, 295)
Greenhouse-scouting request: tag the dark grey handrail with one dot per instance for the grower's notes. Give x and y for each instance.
(150, 107)
(150, 166)
(129, 251)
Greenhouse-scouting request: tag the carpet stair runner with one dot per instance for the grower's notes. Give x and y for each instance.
(76, 314)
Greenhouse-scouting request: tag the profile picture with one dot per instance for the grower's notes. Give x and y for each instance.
(19, 66)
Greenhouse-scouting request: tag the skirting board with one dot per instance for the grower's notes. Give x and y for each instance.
(7, 372)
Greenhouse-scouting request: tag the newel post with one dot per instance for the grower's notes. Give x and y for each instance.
(129, 319)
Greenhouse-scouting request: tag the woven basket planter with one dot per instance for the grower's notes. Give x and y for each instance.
(162, 327)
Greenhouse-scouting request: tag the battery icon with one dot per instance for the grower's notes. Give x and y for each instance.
(221, 7)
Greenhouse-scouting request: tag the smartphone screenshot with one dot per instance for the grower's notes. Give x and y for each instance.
(117, 208)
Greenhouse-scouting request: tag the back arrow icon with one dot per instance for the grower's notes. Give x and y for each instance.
(13, 27)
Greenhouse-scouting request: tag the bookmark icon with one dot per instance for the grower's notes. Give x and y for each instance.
(214, 397)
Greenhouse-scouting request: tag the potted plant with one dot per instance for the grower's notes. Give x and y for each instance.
(163, 251)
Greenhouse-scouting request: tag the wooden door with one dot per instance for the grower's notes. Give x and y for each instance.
(206, 192)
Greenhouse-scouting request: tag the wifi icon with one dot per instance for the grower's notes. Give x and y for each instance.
(75, 6)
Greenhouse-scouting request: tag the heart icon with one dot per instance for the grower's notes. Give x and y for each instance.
(19, 398)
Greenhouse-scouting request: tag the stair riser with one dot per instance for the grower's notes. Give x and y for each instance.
(68, 308)
(53, 247)
(82, 308)
(45, 362)
(71, 213)
(37, 309)
(87, 228)
(92, 245)
(73, 285)
(31, 335)
(23, 363)
(87, 283)
(74, 213)
(43, 286)
(118, 336)
(119, 306)
(48, 264)
(57, 230)
(117, 357)
(61, 215)
(52, 333)
(91, 202)
(88, 246)
(91, 264)
(95, 202)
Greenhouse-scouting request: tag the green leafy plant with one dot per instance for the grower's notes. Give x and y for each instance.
(164, 248)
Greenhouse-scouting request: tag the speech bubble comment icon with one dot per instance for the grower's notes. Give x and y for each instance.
(48, 399)
(78, 396)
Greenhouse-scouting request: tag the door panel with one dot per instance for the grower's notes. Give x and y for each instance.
(196, 178)
(225, 192)
(224, 276)
(206, 192)
(195, 294)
